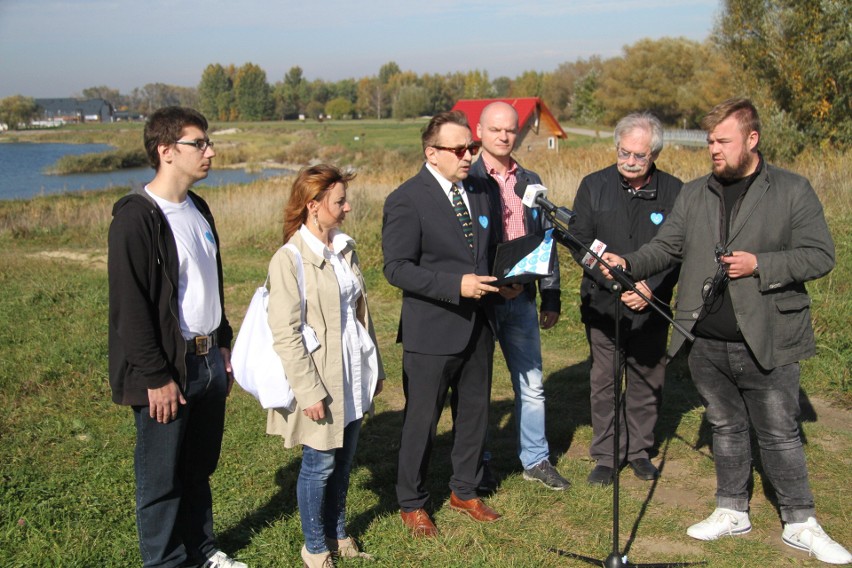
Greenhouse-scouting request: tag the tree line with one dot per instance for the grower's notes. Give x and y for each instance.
(791, 57)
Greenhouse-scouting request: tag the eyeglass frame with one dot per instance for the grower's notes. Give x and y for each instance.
(460, 151)
(624, 155)
(200, 144)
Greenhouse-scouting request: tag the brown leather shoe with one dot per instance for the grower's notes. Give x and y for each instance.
(419, 522)
(474, 507)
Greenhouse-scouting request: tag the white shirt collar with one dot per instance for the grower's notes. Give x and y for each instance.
(340, 242)
(445, 184)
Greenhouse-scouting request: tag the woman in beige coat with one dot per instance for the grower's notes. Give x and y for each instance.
(334, 385)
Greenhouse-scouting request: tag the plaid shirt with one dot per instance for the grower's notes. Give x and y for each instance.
(510, 204)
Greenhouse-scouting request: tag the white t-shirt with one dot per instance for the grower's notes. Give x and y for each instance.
(198, 285)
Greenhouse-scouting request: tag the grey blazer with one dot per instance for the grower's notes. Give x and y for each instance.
(781, 221)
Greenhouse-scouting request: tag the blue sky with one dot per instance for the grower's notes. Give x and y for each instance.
(56, 48)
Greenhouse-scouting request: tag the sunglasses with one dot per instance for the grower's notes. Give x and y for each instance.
(202, 144)
(460, 151)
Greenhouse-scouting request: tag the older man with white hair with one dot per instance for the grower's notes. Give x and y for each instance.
(623, 206)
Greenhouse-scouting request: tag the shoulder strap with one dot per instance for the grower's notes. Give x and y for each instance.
(300, 275)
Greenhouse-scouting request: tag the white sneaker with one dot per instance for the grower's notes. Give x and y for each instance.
(723, 522)
(810, 537)
(222, 560)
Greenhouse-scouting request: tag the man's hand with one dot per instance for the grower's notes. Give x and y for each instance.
(316, 411)
(475, 286)
(511, 291)
(634, 301)
(163, 402)
(548, 319)
(740, 264)
(229, 370)
(612, 259)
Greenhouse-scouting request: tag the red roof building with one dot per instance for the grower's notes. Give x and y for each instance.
(537, 127)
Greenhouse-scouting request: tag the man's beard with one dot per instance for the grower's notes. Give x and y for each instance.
(737, 171)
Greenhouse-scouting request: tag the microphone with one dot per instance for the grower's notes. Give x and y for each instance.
(535, 195)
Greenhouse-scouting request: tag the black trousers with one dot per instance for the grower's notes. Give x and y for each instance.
(427, 379)
(644, 355)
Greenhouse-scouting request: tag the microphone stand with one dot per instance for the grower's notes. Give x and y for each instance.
(621, 280)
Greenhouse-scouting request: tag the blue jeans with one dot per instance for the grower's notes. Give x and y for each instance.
(733, 389)
(321, 490)
(173, 465)
(520, 341)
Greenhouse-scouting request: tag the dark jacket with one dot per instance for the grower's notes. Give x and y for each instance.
(781, 221)
(146, 347)
(534, 223)
(426, 255)
(607, 212)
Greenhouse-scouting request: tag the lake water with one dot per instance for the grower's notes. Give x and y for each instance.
(22, 169)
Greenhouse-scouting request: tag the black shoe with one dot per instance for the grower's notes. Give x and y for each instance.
(601, 475)
(545, 473)
(488, 484)
(644, 469)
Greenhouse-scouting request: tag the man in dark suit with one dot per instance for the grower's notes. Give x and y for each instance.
(436, 235)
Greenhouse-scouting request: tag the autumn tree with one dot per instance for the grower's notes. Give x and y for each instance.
(501, 87)
(528, 84)
(108, 94)
(370, 101)
(558, 87)
(291, 95)
(157, 95)
(18, 111)
(440, 92)
(793, 58)
(252, 93)
(410, 101)
(477, 85)
(339, 107)
(667, 77)
(585, 107)
(212, 99)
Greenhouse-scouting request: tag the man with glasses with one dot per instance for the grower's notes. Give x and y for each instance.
(169, 342)
(624, 206)
(518, 320)
(767, 227)
(436, 237)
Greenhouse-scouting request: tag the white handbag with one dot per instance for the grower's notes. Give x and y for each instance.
(257, 366)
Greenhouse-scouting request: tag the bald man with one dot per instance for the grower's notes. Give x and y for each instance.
(518, 320)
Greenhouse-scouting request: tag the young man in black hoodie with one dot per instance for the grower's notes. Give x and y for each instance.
(169, 343)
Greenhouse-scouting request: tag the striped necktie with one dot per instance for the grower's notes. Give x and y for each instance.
(463, 215)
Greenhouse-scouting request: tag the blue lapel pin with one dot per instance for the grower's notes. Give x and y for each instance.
(656, 217)
(483, 220)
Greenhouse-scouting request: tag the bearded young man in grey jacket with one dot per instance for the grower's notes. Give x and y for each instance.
(749, 236)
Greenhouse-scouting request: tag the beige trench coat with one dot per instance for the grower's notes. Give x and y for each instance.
(319, 375)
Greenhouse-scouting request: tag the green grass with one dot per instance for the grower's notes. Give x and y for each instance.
(66, 452)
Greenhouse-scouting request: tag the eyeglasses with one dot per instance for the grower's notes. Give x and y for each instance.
(640, 158)
(460, 150)
(202, 143)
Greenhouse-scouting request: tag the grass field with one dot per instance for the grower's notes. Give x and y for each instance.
(66, 452)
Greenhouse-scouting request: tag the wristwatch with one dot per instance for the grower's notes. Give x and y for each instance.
(756, 271)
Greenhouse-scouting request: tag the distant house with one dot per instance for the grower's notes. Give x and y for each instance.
(60, 111)
(537, 127)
